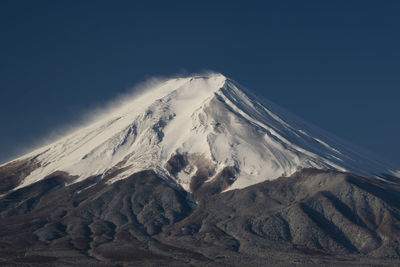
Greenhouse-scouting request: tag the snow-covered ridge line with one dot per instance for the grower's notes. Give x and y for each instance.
(210, 117)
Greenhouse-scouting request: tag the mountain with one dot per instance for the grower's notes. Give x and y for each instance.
(199, 121)
(198, 171)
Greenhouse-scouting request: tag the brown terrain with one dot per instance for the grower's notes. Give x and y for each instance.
(312, 218)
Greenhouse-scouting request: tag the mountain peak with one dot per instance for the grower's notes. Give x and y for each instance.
(198, 126)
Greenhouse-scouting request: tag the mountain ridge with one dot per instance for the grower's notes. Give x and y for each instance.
(210, 117)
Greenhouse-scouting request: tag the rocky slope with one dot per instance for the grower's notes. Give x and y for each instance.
(312, 217)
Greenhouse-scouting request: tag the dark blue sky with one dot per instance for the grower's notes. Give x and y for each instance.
(334, 63)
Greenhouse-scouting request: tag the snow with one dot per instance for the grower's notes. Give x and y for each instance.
(210, 118)
(396, 173)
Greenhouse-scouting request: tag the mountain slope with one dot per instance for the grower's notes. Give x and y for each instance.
(197, 171)
(311, 218)
(210, 121)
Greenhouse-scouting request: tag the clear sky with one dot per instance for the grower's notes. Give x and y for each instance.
(334, 63)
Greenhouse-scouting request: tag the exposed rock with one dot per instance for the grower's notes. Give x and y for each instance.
(14, 173)
(313, 217)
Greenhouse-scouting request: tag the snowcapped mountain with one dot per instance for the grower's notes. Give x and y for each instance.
(150, 183)
(212, 123)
